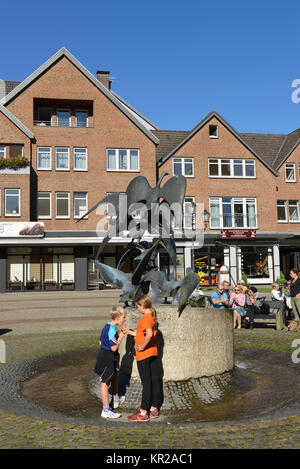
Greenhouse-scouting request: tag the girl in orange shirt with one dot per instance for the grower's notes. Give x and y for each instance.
(147, 361)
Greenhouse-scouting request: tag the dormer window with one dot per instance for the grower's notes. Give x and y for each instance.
(213, 131)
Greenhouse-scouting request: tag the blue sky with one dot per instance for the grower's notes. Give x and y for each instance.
(173, 60)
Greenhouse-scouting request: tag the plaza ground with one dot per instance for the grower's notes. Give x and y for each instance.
(42, 324)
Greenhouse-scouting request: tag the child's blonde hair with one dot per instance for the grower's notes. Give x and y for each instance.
(146, 302)
(116, 312)
(275, 284)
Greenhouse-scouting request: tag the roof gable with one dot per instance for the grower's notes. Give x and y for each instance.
(201, 124)
(116, 101)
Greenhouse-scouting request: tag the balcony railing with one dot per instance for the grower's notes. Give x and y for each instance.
(234, 221)
(66, 124)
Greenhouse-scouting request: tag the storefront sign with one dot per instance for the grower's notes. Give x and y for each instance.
(238, 233)
(21, 230)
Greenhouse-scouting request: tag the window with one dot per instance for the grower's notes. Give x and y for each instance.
(213, 131)
(290, 172)
(183, 167)
(62, 204)
(63, 117)
(235, 212)
(188, 212)
(15, 151)
(2, 151)
(44, 204)
(80, 204)
(293, 211)
(122, 160)
(281, 210)
(80, 159)
(288, 211)
(233, 168)
(81, 118)
(12, 202)
(62, 158)
(44, 116)
(44, 158)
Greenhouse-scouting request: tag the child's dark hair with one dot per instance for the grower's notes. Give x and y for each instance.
(146, 302)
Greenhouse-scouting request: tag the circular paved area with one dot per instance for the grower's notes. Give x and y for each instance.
(34, 326)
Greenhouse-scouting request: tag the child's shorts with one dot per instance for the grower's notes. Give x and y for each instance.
(107, 365)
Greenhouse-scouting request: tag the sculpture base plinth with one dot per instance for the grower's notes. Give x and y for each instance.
(198, 344)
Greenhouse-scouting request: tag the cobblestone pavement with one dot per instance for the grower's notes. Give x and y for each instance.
(40, 325)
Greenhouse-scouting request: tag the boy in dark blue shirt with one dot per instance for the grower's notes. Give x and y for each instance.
(107, 364)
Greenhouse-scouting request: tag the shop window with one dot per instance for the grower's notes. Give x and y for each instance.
(254, 262)
(207, 264)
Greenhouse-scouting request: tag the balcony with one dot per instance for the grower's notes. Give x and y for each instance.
(234, 221)
(19, 165)
(52, 123)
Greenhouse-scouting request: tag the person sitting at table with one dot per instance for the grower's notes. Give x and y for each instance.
(218, 299)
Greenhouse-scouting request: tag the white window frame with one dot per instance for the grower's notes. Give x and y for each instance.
(87, 204)
(19, 197)
(87, 118)
(3, 152)
(217, 161)
(118, 169)
(62, 169)
(188, 200)
(86, 158)
(60, 217)
(217, 127)
(290, 205)
(44, 217)
(37, 159)
(284, 205)
(233, 200)
(292, 166)
(63, 110)
(182, 162)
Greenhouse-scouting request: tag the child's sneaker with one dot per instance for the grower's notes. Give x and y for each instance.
(138, 417)
(118, 401)
(110, 414)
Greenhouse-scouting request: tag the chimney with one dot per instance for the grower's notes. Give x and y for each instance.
(103, 77)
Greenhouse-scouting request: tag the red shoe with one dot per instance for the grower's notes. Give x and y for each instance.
(138, 417)
(154, 414)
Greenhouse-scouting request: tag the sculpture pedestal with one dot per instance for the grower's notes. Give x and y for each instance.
(199, 343)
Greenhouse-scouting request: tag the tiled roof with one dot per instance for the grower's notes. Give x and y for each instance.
(168, 140)
(265, 145)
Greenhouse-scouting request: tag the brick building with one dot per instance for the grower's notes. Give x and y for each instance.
(82, 141)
